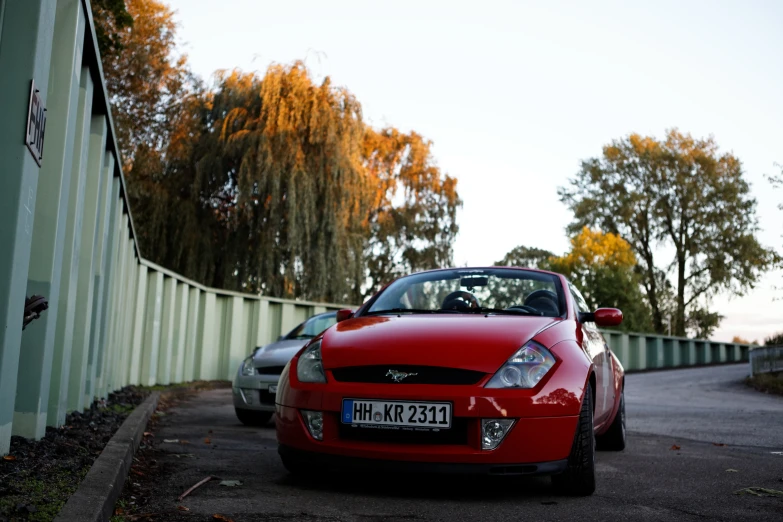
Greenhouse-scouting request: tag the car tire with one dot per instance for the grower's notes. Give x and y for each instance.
(579, 477)
(614, 438)
(253, 418)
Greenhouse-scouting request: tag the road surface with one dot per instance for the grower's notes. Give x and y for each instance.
(706, 404)
(672, 468)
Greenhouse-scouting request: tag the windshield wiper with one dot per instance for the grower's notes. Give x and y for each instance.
(304, 336)
(513, 311)
(411, 311)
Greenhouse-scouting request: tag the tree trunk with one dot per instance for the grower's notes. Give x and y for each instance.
(680, 319)
(652, 295)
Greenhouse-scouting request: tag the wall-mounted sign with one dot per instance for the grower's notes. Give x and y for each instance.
(36, 124)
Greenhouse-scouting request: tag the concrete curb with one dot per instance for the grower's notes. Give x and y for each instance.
(95, 497)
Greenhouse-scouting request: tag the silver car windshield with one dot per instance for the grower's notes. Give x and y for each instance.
(313, 326)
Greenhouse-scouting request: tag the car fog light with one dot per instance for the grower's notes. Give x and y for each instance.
(315, 423)
(247, 396)
(493, 431)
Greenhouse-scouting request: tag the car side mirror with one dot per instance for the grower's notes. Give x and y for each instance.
(344, 314)
(602, 317)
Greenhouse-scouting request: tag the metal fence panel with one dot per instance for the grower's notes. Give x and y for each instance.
(766, 359)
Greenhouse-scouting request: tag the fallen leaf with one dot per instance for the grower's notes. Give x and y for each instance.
(148, 434)
(9, 457)
(718, 444)
(174, 441)
(184, 455)
(184, 442)
(207, 441)
(674, 447)
(118, 511)
(217, 516)
(231, 483)
(759, 492)
(732, 470)
(183, 508)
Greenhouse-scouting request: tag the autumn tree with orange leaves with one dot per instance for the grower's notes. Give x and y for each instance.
(602, 266)
(686, 210)
(267, 183)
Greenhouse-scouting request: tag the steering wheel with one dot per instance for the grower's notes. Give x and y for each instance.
(458, 300)
(545, 301)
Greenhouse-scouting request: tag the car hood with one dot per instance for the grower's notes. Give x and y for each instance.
(471, 342)
(278, 353)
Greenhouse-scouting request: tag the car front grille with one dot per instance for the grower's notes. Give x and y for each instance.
(457, 434)
(382, 374)
(270, 370)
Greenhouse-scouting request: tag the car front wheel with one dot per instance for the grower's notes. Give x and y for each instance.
(579, 477)
(253, 418)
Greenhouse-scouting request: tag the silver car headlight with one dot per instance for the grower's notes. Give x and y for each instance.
(525, 368)
(309, 367)
(247, 367)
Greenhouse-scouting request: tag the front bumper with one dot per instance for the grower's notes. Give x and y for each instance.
(531, 440)
(252, 392)
(384, 465)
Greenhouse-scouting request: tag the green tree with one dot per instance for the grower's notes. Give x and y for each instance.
(413, 217)
(526, 257)
(110, 17)
(774, 340)
(601, 266)
(701, 323)
(679, 193)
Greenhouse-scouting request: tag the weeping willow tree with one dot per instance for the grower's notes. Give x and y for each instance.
(296, 183)
(272, 183)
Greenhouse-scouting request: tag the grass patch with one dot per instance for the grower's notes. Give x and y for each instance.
(120, 408)
(767, 382)
(37, 500)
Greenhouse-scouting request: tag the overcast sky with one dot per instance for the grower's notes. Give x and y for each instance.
(514, 94)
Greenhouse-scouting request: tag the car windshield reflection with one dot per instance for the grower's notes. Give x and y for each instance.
(490, 291)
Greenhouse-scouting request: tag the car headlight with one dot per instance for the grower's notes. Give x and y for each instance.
(247, 366)
(309, 367)
(524, 369)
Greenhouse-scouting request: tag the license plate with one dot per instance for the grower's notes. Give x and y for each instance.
(273, 388)
(397, 413)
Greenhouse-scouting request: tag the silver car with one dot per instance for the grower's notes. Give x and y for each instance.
(255, 383)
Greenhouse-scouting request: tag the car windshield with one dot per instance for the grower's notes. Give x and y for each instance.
(313, 326)
(489, 290)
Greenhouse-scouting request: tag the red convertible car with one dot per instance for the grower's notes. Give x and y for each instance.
(494, 370)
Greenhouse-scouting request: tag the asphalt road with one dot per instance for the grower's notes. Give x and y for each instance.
(705, 404)
(692, 410)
